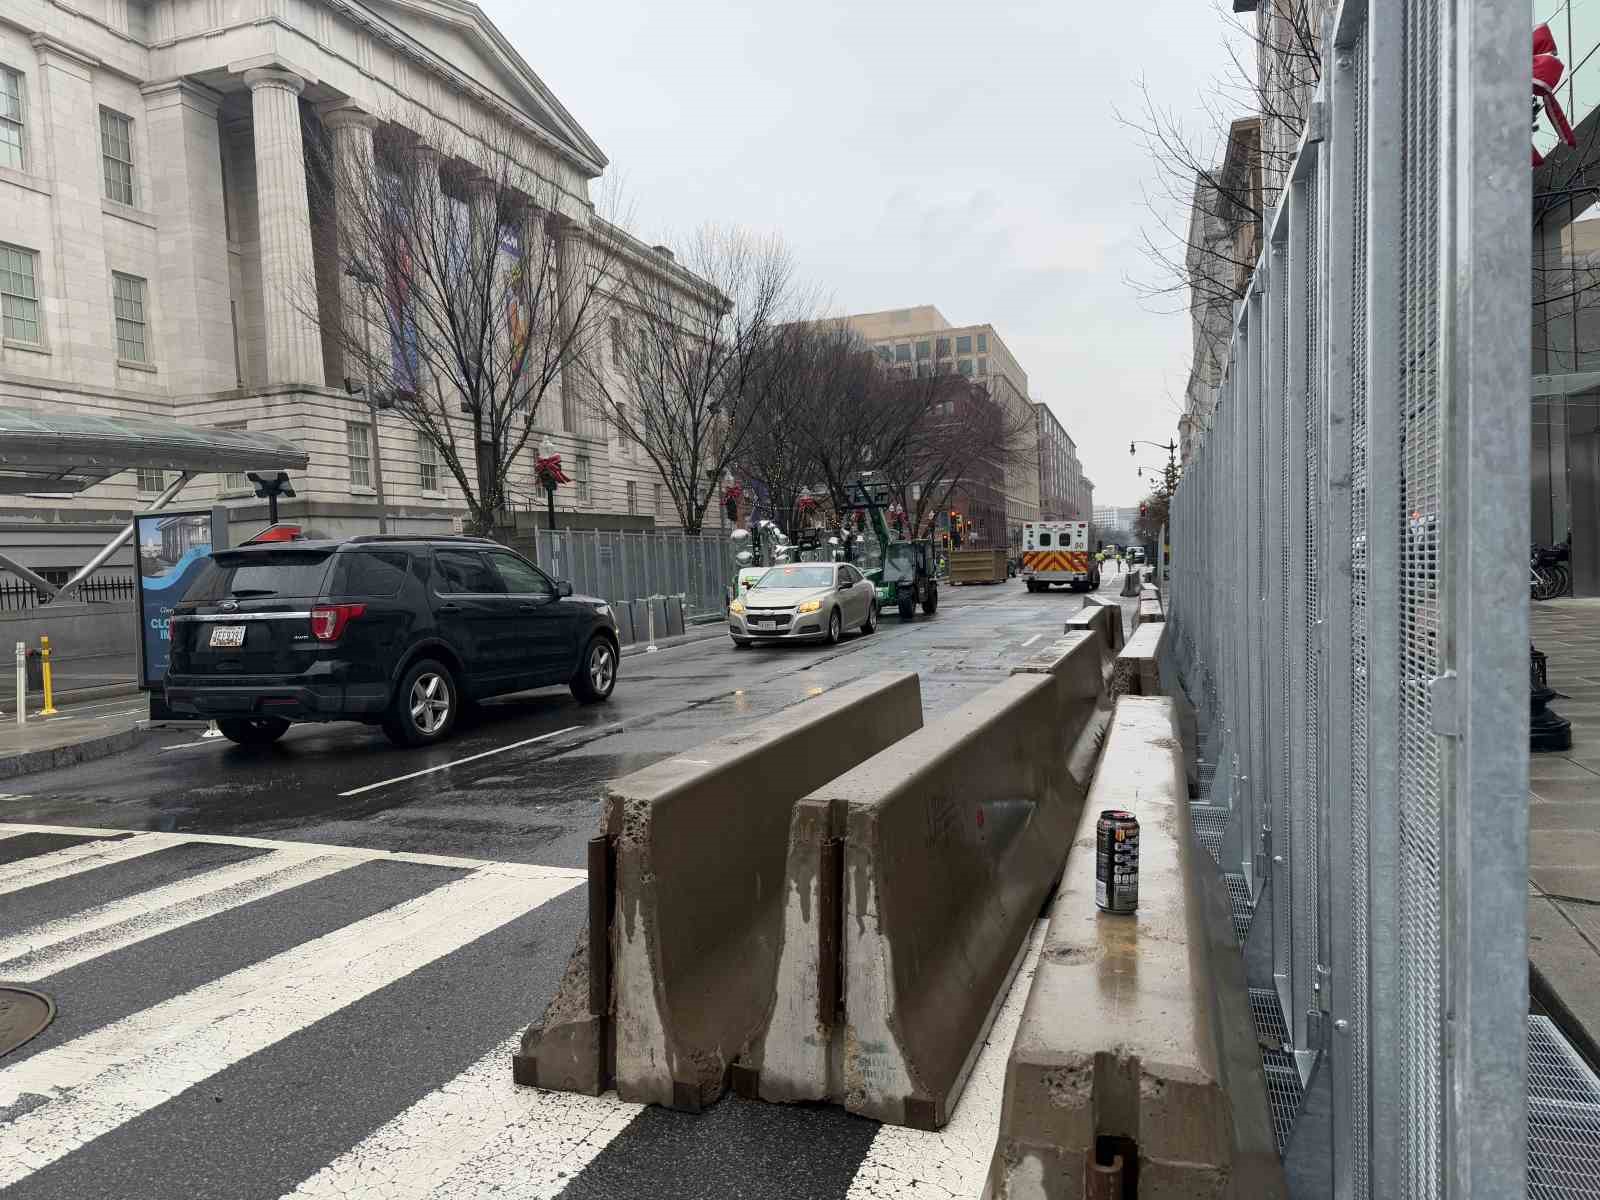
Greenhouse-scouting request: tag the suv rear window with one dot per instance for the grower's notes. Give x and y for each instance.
(369, 572)
(239, 576)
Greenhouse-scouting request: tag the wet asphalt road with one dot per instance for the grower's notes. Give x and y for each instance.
(252, 1005)
(523, 800)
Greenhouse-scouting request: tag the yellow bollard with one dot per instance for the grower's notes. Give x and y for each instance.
(49, 709)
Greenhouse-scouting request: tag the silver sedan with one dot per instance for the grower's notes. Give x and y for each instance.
(804, 602)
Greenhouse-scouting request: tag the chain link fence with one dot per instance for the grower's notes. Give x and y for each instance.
(1348, 602)
(623, 565)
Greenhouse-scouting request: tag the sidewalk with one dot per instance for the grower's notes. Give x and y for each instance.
(1564, 830)
(80, 732)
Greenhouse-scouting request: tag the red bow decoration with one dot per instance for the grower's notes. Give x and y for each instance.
(732, 492)
(1547, 73)
(548, 471)
(806, 505)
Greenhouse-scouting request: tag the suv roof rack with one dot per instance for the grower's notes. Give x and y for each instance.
(420, 537)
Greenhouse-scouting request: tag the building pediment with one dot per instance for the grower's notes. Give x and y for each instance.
(458, 35)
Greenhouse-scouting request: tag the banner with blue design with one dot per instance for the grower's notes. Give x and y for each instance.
(172, 549)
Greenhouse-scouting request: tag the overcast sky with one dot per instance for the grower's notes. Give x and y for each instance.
(965, 156)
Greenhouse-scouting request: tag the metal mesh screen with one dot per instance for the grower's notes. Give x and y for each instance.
(1308, 812)
(1360, 1021)
(1279, 398)
(1422, 488)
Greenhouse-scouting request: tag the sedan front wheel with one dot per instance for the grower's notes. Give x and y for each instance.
(835, 627)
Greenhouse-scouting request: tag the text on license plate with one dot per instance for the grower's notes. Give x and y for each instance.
(225, 636)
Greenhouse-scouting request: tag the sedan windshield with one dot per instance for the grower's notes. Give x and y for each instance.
(798, 575)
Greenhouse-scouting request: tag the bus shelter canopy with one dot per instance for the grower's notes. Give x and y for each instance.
(68, 452)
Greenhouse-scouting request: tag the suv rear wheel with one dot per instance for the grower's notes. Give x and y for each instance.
(425, 705)
(597, 672)
(253, 731)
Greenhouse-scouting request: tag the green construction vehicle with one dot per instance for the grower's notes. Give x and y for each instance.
(908, 574)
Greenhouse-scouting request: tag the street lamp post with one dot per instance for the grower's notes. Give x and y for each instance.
(365, 279)
(545, 451)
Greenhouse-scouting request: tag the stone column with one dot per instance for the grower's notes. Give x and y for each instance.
(187, 199)
(569, 266)
(360, 317)
(288, 284)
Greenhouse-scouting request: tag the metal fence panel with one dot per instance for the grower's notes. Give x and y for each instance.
(624, 565)
(1363, 487)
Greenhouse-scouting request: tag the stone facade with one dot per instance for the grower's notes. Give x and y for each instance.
(1064, 493)
(199, 249)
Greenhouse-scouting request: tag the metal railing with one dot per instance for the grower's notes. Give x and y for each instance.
(1349, 600)
(633, 564)
(17, 595)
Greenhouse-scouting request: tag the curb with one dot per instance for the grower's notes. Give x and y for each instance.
(681, 639)
(31, 762)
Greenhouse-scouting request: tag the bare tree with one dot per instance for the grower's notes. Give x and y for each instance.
(465, 299)
(689, 373)
(779, 457)
(951, 437)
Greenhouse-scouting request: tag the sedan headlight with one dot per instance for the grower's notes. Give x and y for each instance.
(809, 606)
(736, 607)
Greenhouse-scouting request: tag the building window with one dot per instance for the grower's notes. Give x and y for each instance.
(11, 154)
(983, 343)
(983, 366)
(358, 440)
(633, 496)
(885, 353)
(660, 500)
(151, 482)
(234, 481)
(116, 151)
(902, 353)
(964, 344)
(19, 298)
(964, 365)
(943, 346)
(127, 297)
(624, 437)
(427, 464)
(583, 479)
(924, 349)
(616, 341)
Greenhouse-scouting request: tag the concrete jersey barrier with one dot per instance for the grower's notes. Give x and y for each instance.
(1124, 1019)
(1103, 616)
(912, 883)
(699, 844)
(1137, 670)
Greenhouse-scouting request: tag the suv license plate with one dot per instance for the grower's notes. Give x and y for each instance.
(227, 636)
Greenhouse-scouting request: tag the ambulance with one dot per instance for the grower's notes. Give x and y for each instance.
(1058, 552)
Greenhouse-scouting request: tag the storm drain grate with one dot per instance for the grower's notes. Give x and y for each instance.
(1283, 1093)
(1563, 1118)
(1239, 898)
(1209, 823)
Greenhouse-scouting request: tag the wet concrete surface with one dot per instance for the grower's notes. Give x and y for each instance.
(535, 802)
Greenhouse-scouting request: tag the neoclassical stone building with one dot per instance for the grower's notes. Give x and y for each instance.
(156, 237)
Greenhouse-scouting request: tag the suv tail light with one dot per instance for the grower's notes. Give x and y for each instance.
(328, 620)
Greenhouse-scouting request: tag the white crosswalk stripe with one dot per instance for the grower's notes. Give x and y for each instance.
(65, 1096)
(58, 864)
(478, 1136)
(45, 949)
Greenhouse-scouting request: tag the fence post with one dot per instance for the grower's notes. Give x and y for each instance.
(22, 683)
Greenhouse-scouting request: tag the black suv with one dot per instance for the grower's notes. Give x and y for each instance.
(394, 631)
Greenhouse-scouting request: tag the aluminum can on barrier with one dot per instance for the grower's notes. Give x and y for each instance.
(1116, 861)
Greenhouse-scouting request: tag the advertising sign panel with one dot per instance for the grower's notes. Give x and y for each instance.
(171, 548)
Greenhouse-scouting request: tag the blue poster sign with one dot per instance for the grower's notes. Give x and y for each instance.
(172, 548)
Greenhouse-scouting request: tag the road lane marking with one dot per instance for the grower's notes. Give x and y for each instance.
(46, 868)
(104, 1079)
(480, 1134)
(458, 762)
(56, 945)
(954, 1161)
(354, 853)
(1032, 640)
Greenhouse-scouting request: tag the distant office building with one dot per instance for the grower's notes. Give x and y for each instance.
(1064, 493)
(920, 339)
